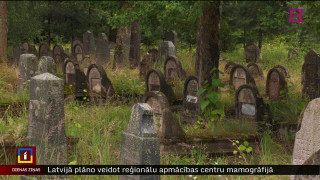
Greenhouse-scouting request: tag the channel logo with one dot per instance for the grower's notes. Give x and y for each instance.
(26, 155)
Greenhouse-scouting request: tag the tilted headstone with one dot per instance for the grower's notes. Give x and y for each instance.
(155, 81)
(166, 125)
(276, 86)
(44, 50)
(173, 37)
(256, 71)
(59, 55)
(69, 72)
(173, 69)
(252, 53)
(139, 143)
(240, 75)
(102, 51)
(46, 125)
(154, 53)
(249, 103)
(293, 54)
(146, 64)
(228, 67)
(166, 49)
(88, 43)
(99, 84)
(190, 100)
(307, 139)
(47, 65)
(283, 69)
(311, 75)
(28, 65)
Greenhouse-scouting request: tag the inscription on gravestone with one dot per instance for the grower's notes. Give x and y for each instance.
(154, 82)
(78, 51)
(274, 86)
(155, 105)
(95, 80)
(239, 77)
(192, 89)
(171, 70)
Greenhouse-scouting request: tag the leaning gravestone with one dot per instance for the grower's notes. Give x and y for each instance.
(44, 50)
(255, 71)
(311, 75)
(166, 49)
(252, 53)
(240, 75)
(69, 72)
(27, 69)
(155, 81)
(173, 37)
(99, 84)
(102, 52)
(47, 65)
(88, 43)
(154, 53)
(228, 67)
(166, 125)
(58, 55)
(190, 100)
(276, 86)
(139, 143)
(307, 140)
(293, 54)
(146, 64)
(46, 125)
(173, 69)
(249, 103)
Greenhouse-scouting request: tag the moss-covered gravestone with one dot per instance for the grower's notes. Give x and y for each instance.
(47, 64)
(240, 75)
(139, 142)
(27, 68)
(46, 125)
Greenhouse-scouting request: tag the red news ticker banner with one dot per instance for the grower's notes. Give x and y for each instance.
(21, 170)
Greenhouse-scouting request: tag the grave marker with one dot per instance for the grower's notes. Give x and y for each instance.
(58, 55)
(173, 69)
(78, 52)
(191, 100)
(166, 49)
(228, 67)
(173, 37)
(276, 86)
(47, 65)
(283, 69)
(81, 87)
(88, 43)
(102, 52)
(255, 71)
(44, 50)
(252, 53)
(29, 49)
(27, 69)
(69, 72)
(310, 75)
(146, 64)
(240, 75)
(154, 53)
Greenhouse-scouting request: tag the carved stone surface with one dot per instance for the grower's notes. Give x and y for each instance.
(146, 64)
(311, 75)
(228, 67)
(88, 43)
(173, 37)
(283, 69)
(28, 65)
(47, 64)
(256, 71)
(59, 55)
(252, 53)
(276, 86)
(166, 49)
(173, 69)
(154, 53)
(69, 72)
(44, 50)
(191, 100)
(102, 51)
(240, 75)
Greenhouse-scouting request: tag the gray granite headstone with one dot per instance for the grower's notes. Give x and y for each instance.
(46, 125)
(166, 49)
(139, 142)
(102, 51)
(88, 43)
(47, 64)
(307, 140)
(252, 53)
(27, 69)
(311, 75)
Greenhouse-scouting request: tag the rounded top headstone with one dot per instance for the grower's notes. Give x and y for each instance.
(240, 75)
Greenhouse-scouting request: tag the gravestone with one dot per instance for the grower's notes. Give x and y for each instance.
(146, 64)
(58, 55)
(311, 75)
(102, 52)
(240, 75)
(173, 37)
(293, 54)
(27, 69)
(47, 65)
(139, 143)
(166, 125)
(155, 81)
(122, 47)
(283, 69)
(29, 49)
(99, 84)
(81, 86)
(154, 53)
(46, 124)
(75, 42)
(69, 72)
(190, 100)
(252, 53)
(17, 51)
(249, 103)
(228, 67)
(166, 49)
(67, 52)
(78, 52)
(86, 62)
(173, 69)
(307, 139)
(276, 87)
(44, 50)
(256, 71)
(88, 43)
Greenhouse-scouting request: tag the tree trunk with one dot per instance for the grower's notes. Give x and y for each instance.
(3, 30)
(209, 41)
(244, 37)
(134, 55)
(260, 39)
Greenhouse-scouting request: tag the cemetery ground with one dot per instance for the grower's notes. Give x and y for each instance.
(96, 129)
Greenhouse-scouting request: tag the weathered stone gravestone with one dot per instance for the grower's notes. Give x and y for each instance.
(154, 53)
(17, 51)
(252, 53)
(228, 67)
(173, 37)
(58, 55)
(255, 71)
(240, 75)
(29, 49)
(81, 86)
(99, 84)
(86, 62)
(44, 50)
(102, 51)
(249, 103)
(47, 65)
(276, 86)
(146, 64)
(69, 72)
(166, 125)
(155, 81)
(27, 69)
(173, 69)
(88, 43)
(78, 52)
(75, 42)
(307, 140)
(283, 69)
(46, 125)
(311, 75)
(190, 100)
(139, 143)
(293, 54)
(166, 49)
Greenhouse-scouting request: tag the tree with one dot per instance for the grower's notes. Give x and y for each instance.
(3, 30)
